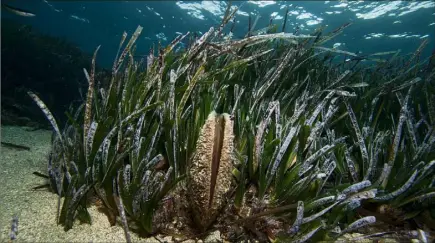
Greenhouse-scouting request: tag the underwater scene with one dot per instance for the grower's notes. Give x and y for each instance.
(217, 121)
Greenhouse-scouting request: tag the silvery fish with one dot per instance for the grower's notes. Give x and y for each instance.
(18, 11)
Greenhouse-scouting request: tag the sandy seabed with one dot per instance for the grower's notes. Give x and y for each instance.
(36, 209)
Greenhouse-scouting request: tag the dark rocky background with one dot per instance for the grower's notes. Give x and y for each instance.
(51, 67)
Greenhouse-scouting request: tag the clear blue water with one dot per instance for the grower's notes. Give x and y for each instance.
(377, 25)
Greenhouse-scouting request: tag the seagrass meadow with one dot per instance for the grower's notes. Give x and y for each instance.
(269, 138)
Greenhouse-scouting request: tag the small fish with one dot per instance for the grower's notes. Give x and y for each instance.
(18, 11)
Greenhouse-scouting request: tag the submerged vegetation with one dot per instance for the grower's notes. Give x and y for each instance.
(267, 138)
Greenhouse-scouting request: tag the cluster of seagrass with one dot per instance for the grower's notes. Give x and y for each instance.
(269, 137)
